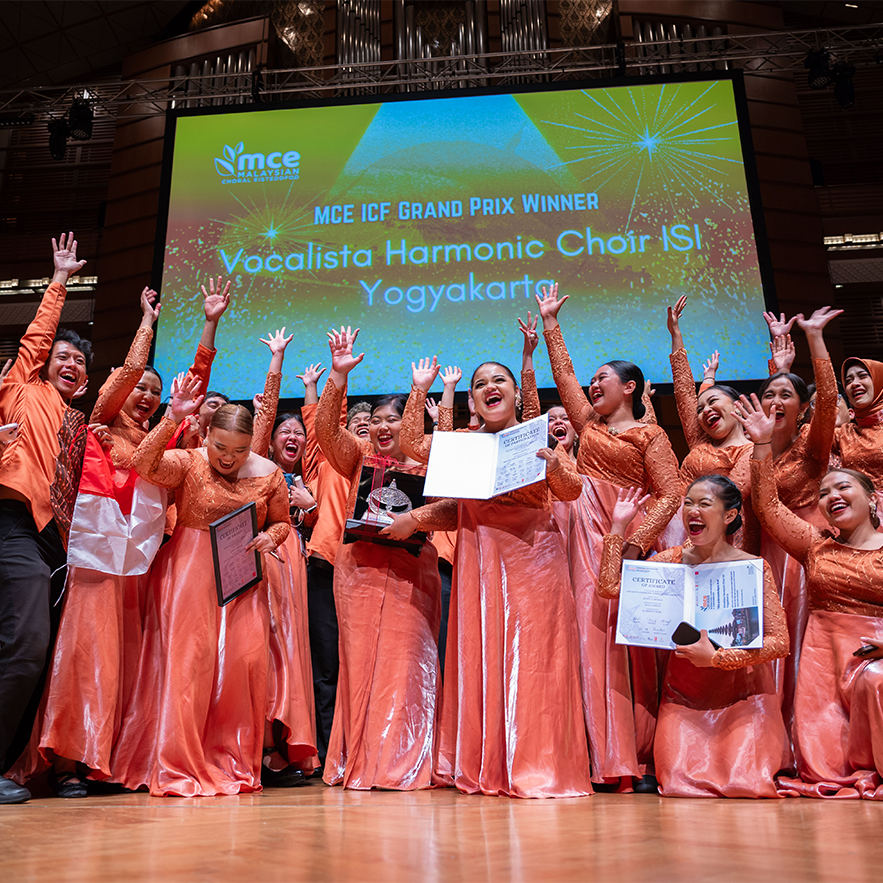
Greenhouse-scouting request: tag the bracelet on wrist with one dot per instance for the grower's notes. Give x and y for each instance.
(757, 443)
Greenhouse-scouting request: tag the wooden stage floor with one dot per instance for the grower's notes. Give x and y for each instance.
(317, 833)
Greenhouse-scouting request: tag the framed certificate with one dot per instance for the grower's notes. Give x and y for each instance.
(236, 570)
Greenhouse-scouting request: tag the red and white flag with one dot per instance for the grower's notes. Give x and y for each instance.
(118, 518)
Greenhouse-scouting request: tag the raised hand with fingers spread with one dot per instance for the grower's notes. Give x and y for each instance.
(629, 501)
(149, 312)
(779, 326)
(310, 379)
(185, 396)
(782, 353)
(342, 359)
(424, 373)
(673, 319)
(550, 305)
(65, 258)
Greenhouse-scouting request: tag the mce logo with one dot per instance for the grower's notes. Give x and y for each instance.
(241, 166)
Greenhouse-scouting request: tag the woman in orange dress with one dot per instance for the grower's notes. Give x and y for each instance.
(717, 443)
(838, 703)
(860, 443)
(195, 723)
(90, 681)
(512, 722)
(720, 731)
(290, 739)
(616, 450)
(801, 451)
(388, 608)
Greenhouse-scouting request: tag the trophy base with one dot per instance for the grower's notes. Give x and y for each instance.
(357, 530)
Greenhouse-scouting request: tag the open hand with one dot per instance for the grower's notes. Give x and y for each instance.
(673, 317)
(709, 368)
(311, 374)
(65, 255)
(628, 503)
(424, 373)
(779, 326)
(215, 301)
(757, 425)
(816, 323)
(277, 342)
(782, 351)
(432, 409)
(341, 345)
(549, 305)
(185, 400)
(148, 310)
(451, 376)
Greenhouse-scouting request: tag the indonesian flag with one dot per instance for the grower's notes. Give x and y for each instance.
(118, 518)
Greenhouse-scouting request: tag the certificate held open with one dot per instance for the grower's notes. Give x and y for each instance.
(481, 465)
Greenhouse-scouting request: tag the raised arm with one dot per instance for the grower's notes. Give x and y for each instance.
(36, 345)
(685, 397)
(152, 461)
(266, 414)
(628, 503)
(791, 532)
(415, 443)
(450, 378)
(341, 448)
(661, 469)
(824, 418)
(530, 398)
(121, 382)
(574, 400)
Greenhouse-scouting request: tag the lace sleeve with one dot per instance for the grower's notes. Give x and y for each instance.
(530, 398)
(661, 468)
(120, 384)
(824, 418)
(685, 396)
(438, 515)
(445, 419)
(564, 482)
(266, 415)
(611, 567)
(157, 465)
(278, 522)
(312, 454)
(202, 366)
(415, 443)
(340, 447)
(776, 642)
(790, 531)
(649, 411)
(578, 407)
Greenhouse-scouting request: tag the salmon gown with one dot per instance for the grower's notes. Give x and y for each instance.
(388, 604)
(512, 722)
(290, 698)
(799, 471)
(620, 684)
(838, 703)
(194, 725)
(720, 731)
(90, 681)
(706, 458)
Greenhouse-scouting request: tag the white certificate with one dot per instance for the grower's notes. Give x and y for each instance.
(481, 465)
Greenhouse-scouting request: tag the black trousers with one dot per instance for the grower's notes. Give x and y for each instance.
(446, 572)
(324, 650)
(27, 559)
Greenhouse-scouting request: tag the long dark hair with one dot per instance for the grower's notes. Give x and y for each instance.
(727, 492)
(627, 371)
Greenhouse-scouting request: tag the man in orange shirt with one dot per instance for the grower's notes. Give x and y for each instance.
(39, 474)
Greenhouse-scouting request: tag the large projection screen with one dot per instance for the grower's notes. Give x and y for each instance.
(431, 223)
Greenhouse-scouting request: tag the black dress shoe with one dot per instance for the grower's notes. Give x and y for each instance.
(646, 785)
(290, 777)
(10, 792)
(67, 785)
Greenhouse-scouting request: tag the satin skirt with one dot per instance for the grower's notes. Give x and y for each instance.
(195, 723)
(720, 733)
(619, 683)
(385, 730)
(512, 720)
(838, 711)
(791, 581)
(92, 674)
(290, 675)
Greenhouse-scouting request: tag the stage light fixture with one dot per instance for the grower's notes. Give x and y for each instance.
(844, 88)
(14, 120)
(819, 75)
(80, 121)
(58, 133)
